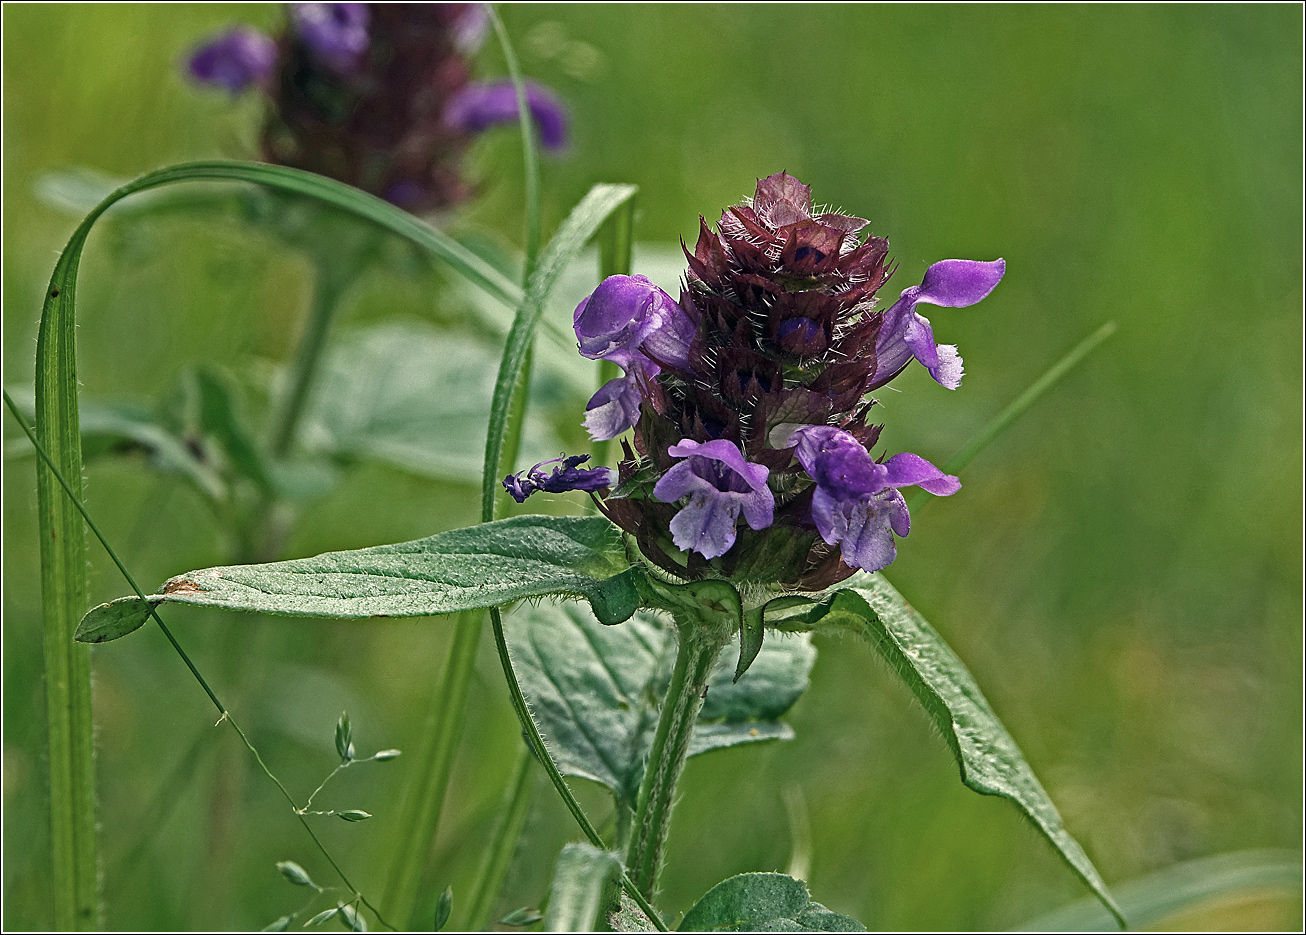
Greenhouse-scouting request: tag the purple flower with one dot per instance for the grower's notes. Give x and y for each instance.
(478, 107)
(906, 334)
(234, 60)
(720, 485)
(627, 317)
(567, 475)
(856, 502)
(335, 33)
(615, 407)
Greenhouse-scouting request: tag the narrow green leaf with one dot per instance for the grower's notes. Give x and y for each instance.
(989, 759)
(575, 231)
(1149, 900)
(443, 906)
(111, 621)
(295, 873)
(524, 916)
(463, 569)
(580, 882)
(594, 690)
(220, 417)
(763, 902)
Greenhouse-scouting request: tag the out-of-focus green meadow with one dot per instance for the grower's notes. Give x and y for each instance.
(1121, 572)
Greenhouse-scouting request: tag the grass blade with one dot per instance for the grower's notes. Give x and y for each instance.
(1017, 408)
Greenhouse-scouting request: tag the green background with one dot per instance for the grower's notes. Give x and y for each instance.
(1121, 571)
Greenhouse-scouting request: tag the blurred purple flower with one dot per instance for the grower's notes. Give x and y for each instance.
(720, 485)
(478, 107)
(238, 58)
(856, 502)
(471, 26)
(906, 334)
(335, 33)
(567, 475)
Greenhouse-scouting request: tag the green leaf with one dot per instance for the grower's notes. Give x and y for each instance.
(412, 396)
(107, 622)
(220, 417)
(443, 906)
(989, 759)
(763, 902)
(295, 873)
(630, 918)
(580, 883)
(280, 925)
(1149, 900)
(524, 916)
(594, 690)
(580, 225)
(463, 569)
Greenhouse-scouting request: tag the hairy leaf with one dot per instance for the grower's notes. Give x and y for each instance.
(594, 690)
(580, 879)
(763, 902)
(482, 566)
(989, 759)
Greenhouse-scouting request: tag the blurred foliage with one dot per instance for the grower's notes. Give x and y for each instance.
(1122, 571)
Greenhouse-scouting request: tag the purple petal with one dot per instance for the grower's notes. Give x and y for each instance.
(478, 107)
(859, 527)
(837, 462)
(759, 507)
(628, 316)
(335, 33)
(235, 60)
(904, 334)
(706, 524)
(906, 469)
(615, 407)
(726, 452)
(899, 518)
(959, 283)
(470, 28)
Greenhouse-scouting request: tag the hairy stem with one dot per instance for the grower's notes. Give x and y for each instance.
(701, 637)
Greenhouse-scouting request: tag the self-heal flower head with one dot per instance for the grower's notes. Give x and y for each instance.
(906, 333)
(567, 475)
(720, 485)
(478, 107)
(235, 60)
(335, 33)
(856, 502)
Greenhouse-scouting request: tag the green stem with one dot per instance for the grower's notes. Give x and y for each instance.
(1017, 408)
(420, 815)
(504, 843)
(700, 643)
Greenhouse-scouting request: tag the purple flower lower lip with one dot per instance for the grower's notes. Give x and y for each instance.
(566, 476)
(235, 60)
(720, 485)
(906, 334)
(615, 407)
(336, 33)
(478, 107)
(856, 502)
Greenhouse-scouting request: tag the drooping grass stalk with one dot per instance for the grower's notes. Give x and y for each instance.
(1016, 408)
(503, 843)
(225, 715)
